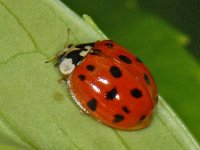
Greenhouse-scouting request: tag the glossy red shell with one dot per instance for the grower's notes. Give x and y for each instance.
(124, 101)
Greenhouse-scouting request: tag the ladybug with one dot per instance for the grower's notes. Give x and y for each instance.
(109, 83)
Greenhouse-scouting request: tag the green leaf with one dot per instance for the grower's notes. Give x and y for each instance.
(36, 112)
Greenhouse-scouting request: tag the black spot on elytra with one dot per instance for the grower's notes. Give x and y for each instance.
(92, 104)
(115, 71)
(125, 109)
(109, 45)
(111, 94)
(125, 59)
(82, 77)
(75, 56)
(142, 117)
(95, 52)
(146, 78)
(90, 67)
(138, 60)
(136, 93)
(118, 118)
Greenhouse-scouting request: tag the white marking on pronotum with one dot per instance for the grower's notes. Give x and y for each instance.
(66, 66)
(84, 53)
(88, 47)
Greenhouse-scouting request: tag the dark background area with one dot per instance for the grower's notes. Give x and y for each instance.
(183, 14)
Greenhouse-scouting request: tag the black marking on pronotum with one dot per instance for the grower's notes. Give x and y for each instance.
(138, 60)
(111, 94)
(75, 56)
(136, 93)
(109, 44)
(90, 67)
(146, 78)
(125, 109)
(115, 72)
(118, 118)
(82, 46)
(82, 77)
(60, 58)
(92, 104)
(95, 52)
(125, 59)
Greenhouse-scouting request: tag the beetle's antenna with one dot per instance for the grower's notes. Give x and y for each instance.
(66, 47)
(68, 37)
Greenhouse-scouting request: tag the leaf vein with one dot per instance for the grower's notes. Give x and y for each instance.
(17, 132)
(22, 25)
(121, 139)
(66, 134)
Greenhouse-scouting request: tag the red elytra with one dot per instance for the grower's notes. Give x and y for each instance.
(112, 85)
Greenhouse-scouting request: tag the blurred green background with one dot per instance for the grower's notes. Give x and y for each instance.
(165, 34)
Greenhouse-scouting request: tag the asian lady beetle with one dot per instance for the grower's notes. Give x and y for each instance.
(109, 83)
